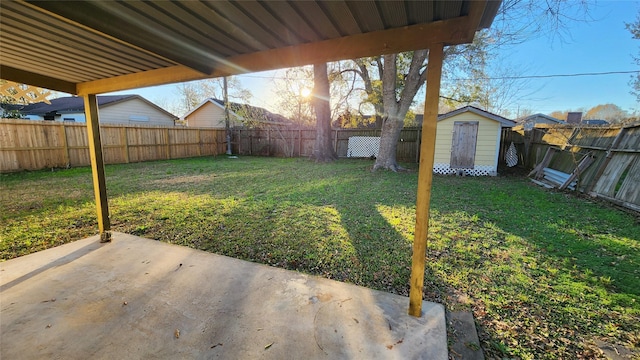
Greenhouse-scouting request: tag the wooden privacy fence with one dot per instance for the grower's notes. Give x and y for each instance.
(32, 145)
(299, 142)
(600, 161)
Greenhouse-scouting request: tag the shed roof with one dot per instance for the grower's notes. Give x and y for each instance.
(92, 47)
(502, 120)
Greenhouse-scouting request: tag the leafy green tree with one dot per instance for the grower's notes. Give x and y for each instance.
(351, 120)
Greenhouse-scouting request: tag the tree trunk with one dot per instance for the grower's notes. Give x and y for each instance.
(386, 159)
(323, 148)
(396, 110)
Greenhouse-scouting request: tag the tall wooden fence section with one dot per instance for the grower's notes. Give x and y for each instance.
(609, 158)
(299, 142)
(33, 145)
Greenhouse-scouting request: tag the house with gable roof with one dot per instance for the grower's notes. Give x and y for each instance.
(211, 114)
(114, 109)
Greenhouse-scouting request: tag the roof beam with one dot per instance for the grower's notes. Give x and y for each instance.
(26, 77)
(476, 11)
(170, 75)
(422, 36)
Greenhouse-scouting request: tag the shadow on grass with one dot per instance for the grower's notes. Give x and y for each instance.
(549, 273)
(540, 269)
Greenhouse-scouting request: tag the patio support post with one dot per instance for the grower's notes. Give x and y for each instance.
(425, 175)
(97, 166)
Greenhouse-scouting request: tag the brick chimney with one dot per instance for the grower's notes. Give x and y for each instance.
(574, 118)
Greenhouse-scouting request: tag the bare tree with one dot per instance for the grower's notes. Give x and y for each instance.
(391, 83)
(191, 94)
(634, 29)
(292, 90)
(401, 75)
(492, 87)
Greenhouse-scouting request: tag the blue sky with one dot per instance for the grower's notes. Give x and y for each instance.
(601, 45)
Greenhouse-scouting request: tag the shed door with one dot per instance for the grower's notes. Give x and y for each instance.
(463, 144)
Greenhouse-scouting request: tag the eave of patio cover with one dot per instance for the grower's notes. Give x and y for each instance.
(145, 62)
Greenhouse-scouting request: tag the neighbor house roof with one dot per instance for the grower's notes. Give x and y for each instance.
(595, 122)
(262, 115)
(502, 120)
(76, 104)
(547, 117)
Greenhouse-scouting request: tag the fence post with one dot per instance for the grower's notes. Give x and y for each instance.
(65, 144)
(168, 147)
(268, 142)
(418, 135)
(124, 139)
(299, 142)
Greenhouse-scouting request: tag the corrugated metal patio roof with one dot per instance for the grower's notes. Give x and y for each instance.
(93, 47)
(83, 47)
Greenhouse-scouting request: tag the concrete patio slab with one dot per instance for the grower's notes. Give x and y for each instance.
(136, 298)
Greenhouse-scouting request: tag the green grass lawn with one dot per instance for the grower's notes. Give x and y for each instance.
(546, 274)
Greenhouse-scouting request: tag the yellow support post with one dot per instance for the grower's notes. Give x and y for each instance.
(425, 176)
(97, 166)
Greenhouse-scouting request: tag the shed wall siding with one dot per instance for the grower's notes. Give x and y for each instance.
(486, 141)
(120, 114)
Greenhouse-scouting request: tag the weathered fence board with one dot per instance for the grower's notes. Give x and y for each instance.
(614, 173)
(630, 188)
(608, 182)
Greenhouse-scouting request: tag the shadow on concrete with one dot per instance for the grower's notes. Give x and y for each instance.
(140, 298)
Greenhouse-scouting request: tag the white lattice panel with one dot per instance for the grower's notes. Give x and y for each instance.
(363, 146)
(478, 170)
